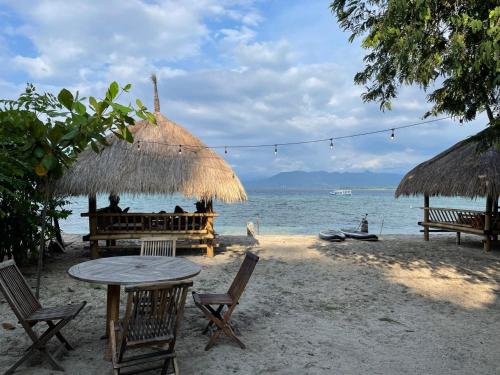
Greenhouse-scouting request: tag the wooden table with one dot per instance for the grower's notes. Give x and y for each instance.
(124, 270)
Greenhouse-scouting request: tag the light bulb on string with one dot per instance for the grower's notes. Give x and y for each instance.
(392, 134)
(275, 150)
(331, 143)
(225, 149)
(461, 121)
(180, 149)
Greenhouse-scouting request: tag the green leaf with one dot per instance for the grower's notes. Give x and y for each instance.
(127, 87)
(39, 152)
(93, 103)
(94, 147)
(70, 135)
(49, 161)
(139, 104)
(66, 99)
(79, 108)
(128, 135)
(113, 90)
(151, 117)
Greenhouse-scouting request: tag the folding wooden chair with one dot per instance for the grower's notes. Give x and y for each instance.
(158, 246)
(152, 319)
(29, 312)
(215, 314)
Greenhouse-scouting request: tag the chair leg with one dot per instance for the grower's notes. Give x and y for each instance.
(60, 337)
(211, 323)
(55, 365)
(176, 366)
(214, 337)
(165, 366)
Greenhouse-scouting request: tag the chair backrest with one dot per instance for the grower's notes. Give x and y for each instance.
(17, 291)
(154, 312)
(240, 281)
(158, 246)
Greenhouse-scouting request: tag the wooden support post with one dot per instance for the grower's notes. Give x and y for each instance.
(487, 223)
(426, 217)
(495, 215)
(458, 238)
(94, 244)
(210, 242)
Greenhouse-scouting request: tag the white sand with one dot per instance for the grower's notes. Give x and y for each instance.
(398, 306)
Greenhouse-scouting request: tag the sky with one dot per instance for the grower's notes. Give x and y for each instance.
(230, 71)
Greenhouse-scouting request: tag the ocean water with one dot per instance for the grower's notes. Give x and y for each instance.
(291, 211)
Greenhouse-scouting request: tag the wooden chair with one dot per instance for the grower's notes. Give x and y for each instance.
(152, 319)
(221, 319)
(29, 312)
(158, 246)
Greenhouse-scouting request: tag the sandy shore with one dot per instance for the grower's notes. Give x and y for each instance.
(397, 306)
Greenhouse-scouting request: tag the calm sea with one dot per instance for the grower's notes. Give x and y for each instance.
(291, 212)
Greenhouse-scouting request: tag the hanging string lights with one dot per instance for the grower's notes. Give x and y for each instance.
(275, 145)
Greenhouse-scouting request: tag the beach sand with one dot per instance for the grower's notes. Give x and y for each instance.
(397, 306)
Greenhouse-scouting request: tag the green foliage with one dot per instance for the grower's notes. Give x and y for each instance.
(451, 49)
(40, 136)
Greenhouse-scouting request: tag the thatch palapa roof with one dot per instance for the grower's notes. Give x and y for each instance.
(153, 165)
(461, 170)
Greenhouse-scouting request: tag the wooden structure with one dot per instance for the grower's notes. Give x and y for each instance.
(128, 270)
(212, 305)
(465, 170)
(158, 246)
(30, 312)
(164, 159)
(152, 319)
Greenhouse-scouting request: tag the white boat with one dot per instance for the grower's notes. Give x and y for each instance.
(341, 192)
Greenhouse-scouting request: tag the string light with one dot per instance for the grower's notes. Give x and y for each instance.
(461, 121)
(392, 136)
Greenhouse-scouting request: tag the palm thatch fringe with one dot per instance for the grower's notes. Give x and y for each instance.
(149, 167)
(461, 170)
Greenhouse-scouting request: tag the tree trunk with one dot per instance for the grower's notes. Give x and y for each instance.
(41, 249)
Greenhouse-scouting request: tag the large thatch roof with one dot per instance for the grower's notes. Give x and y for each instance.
(151, 166)
(461, 170)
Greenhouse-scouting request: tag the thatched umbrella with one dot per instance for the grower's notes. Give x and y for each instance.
(164, 159)
(462, 170)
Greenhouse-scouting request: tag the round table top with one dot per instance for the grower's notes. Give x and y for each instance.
(124, 270)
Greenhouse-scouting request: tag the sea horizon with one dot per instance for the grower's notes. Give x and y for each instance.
(290, 211)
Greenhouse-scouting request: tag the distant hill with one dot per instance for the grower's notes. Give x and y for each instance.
(325, 180)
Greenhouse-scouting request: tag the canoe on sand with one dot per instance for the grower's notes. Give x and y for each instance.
(331, 235)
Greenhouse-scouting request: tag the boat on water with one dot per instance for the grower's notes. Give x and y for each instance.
(341, 192)
(359, 235)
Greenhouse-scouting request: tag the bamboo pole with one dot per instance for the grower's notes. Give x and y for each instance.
(426, 217)
(94, 244)
(487, 223)
(41, 249)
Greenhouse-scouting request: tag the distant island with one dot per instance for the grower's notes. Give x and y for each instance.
(325, 180)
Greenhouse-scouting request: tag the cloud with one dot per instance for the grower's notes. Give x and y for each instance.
(232, 71)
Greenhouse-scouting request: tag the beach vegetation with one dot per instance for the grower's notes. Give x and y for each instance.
(40, 136)
(450, 49)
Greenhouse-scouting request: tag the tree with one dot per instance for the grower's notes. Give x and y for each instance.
(450, 48)
(40, 136)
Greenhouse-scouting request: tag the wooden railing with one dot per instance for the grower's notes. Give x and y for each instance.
(114, 223)
(461, 217)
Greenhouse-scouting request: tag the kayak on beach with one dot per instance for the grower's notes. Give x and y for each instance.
(357, 235)
(332, 235)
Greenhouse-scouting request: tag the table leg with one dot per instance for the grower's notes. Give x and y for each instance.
(112, 311)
